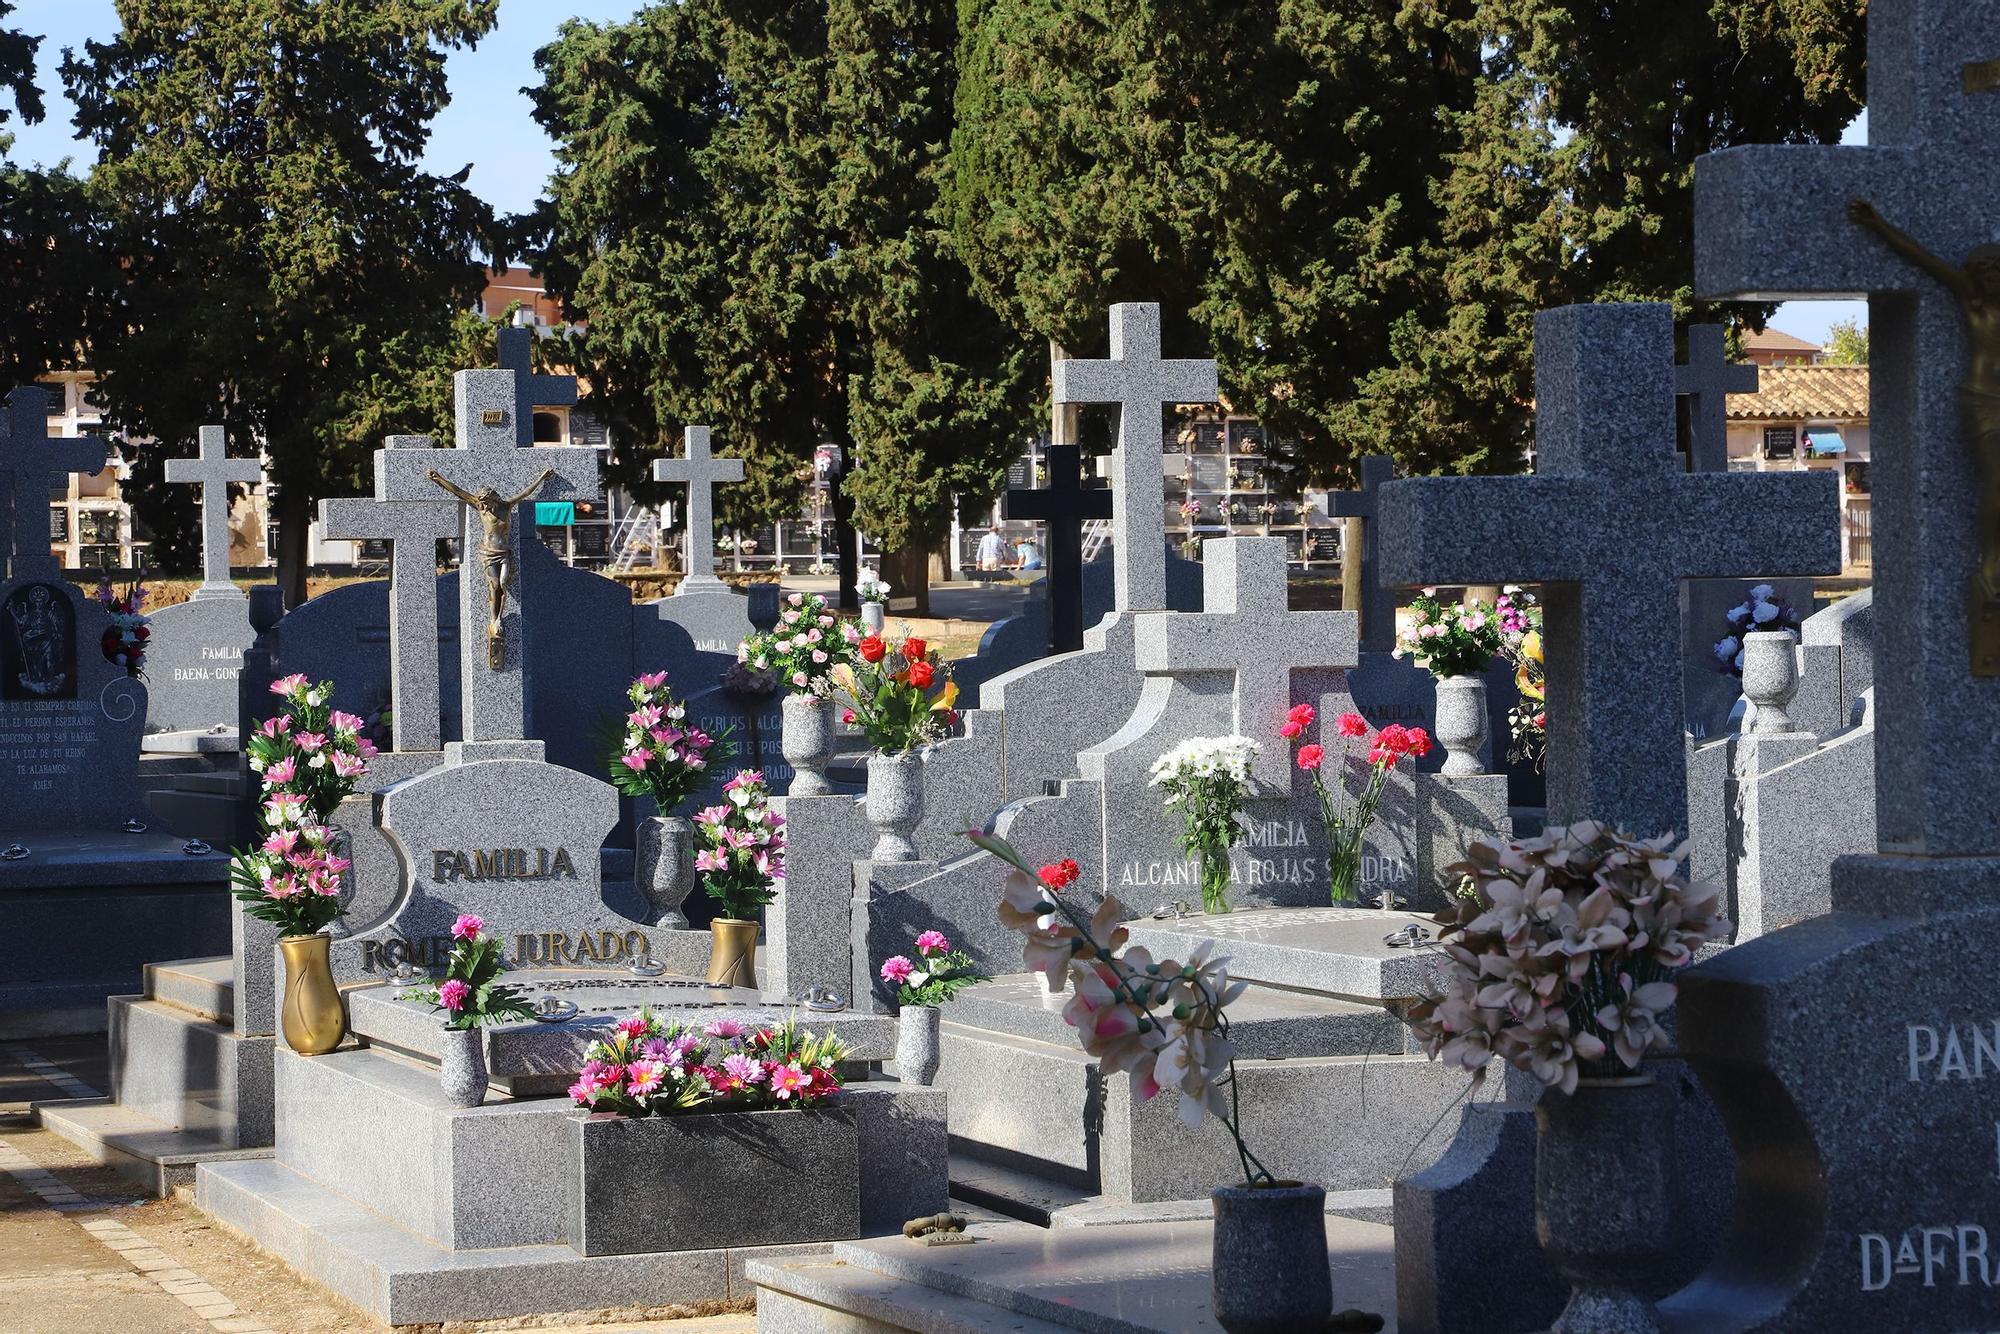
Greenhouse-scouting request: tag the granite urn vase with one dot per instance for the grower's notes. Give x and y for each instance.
(761, 1179)
(732, 952)
(1770, 679)
(312, 1019)
(873, 616)
(895, 804)
(664, 865)
(1269, 1271)
(1461, 723)
(917, 1044)
(1604, 1190)
(462, 1068)
(805, 738)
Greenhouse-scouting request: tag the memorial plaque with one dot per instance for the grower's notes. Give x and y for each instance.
(37, 644)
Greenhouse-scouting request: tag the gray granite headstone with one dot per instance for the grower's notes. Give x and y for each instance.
(213, 470)
(1854, 1056)
(701, 470)
(192, 658)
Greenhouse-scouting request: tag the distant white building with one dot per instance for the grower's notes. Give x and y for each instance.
(1811, 417)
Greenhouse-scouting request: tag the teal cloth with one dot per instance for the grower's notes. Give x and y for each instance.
(555, 514)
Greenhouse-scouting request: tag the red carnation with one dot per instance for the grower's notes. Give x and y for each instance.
(1420, 742)
(1310, 757)
(1290, 729)
(872, 648)
(1351, 724)
(1302, 714)
(1057, 875)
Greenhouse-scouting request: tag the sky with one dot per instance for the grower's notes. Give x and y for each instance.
(489, 124)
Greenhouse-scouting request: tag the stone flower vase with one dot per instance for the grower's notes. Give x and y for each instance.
(312, 1020)
(1269, 1271)
(664, 857)
(917, 1044)
(806, 740)
(1770, 679)
(1461, 723)
(1604, 1189)
(873, 616)
(463, 1070)
(732, 952)
(895, 804)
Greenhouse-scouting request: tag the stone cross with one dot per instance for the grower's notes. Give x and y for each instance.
(489, 457)
(531, 391)
(1611, 526)
(1140, 383)
(213, 470)
(1378, 606)
(413, 529)
(1708, 378)
(701, 470)
(29, 459)
(1247, 628)
(1063, 506)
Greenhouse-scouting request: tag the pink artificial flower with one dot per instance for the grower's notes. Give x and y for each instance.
(743, 1069)
(712, 815)
(646, 715)
(280, 887)
(799, 679)
(645, 1077)
(288, 685)
(896, 970)
(744, 778)
(281, 841)
(653, 680)
(1290, 729)
(281, 773)
(711, 859)
(365, 748)
(582, 1093)
(348, 766)
(310, 741)
(467, 926)
(635, 760)
(631, 1026)
(724, 1028)
(343, 722)
(452, 994)
(276, 727)
(787, 1080)
(932, 940)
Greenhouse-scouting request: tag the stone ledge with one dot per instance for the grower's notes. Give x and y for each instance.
(833, 1297)
(205, 988)
(151, 1153)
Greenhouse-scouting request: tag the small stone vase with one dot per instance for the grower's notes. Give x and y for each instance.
(895, 804)
(806, 740)
(917, 1044)
(1269, 1271)
(1770, 679)
(462, 1071)
(732, 952)
(1461, 723)
(1604, 1189)
(664, 865)
(873, 616)
(313, 1020)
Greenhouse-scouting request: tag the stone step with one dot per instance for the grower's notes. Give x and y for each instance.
(205, 988)
(215, 818)
(1334, 951)
(1265, 1022)
(151, 1153)
(190, 1073)
(1015, 1100)
(828, 1295)
(1011, 1192)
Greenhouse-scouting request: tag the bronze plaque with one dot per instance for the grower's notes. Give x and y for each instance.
(493, 417)
(1982, 76)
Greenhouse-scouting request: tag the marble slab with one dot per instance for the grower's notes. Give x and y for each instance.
(1335, 950)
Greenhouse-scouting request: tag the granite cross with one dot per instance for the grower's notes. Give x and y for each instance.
(531, 391)
(29, 457)
(1707, 380)
(701, 470)
(1378, 605)
(1246, 628)
(1063, 505)
(489, 462)
(213, 470)
(413, 529)
(1140, 383)
(1611, 526)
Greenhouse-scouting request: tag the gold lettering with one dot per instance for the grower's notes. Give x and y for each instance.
(586, 948)
(561, 949)
(563, 866)
(1982, 76)
(611, 948)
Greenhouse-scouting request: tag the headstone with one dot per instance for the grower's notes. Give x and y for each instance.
(1141, 384)
(716, 618)
(213, 471)
(1611, 592)
(413, 529)
(1855, 1056)
(196, 647)
(1062, 506)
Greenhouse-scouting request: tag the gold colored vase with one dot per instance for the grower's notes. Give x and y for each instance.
(732, 953)
(313, 1020)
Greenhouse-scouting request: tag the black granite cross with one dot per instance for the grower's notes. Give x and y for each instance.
(1378, 607)
(1063, 505)
(1708, 378)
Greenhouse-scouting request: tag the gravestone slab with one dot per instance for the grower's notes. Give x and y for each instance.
(192, 659)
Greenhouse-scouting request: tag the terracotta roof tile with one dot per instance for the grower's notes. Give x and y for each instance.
(1776, 340)
(1792, 393)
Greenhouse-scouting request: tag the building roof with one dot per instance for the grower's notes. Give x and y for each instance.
(1801, 393)
(1776, 340)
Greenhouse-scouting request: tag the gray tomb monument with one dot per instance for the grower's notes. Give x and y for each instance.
(717, 618)
(197, 646)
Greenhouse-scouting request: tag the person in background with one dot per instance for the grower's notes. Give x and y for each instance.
(992, 551)
(1029, 556)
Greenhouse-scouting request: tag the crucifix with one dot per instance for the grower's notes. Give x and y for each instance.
(213, 470)
(496, 548)
(413, 529)
(1063, 505)
(701, 470)
(1378, 604)
(1141, 384)
(1706, 381)
(29, 459)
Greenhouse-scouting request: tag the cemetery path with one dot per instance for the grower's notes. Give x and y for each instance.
(80, 1251)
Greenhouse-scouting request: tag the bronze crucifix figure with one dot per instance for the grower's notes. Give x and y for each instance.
(496, 550)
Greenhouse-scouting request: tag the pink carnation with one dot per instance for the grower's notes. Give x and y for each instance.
(896, 969)
(453, 993)
(467, 926)
(932, 940)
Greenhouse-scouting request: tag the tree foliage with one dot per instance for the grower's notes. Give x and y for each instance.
(741, 216)
(1847, 343)
(287, 268)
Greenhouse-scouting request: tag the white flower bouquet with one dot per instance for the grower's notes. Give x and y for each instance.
(1209, 779)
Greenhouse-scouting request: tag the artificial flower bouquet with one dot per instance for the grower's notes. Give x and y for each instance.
(1161, 1022)
(309, 757)
(1449, 638)
(1521, 642)
(742, 847)
(868, 587)
(654, 1067)
(661, 754)
(1347, 819)
(891, 689)
(1764, 609)
(124, 640)
(1209, 779)
(938, 973)
(1561, 961)
(471, 994)
(804, 647)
